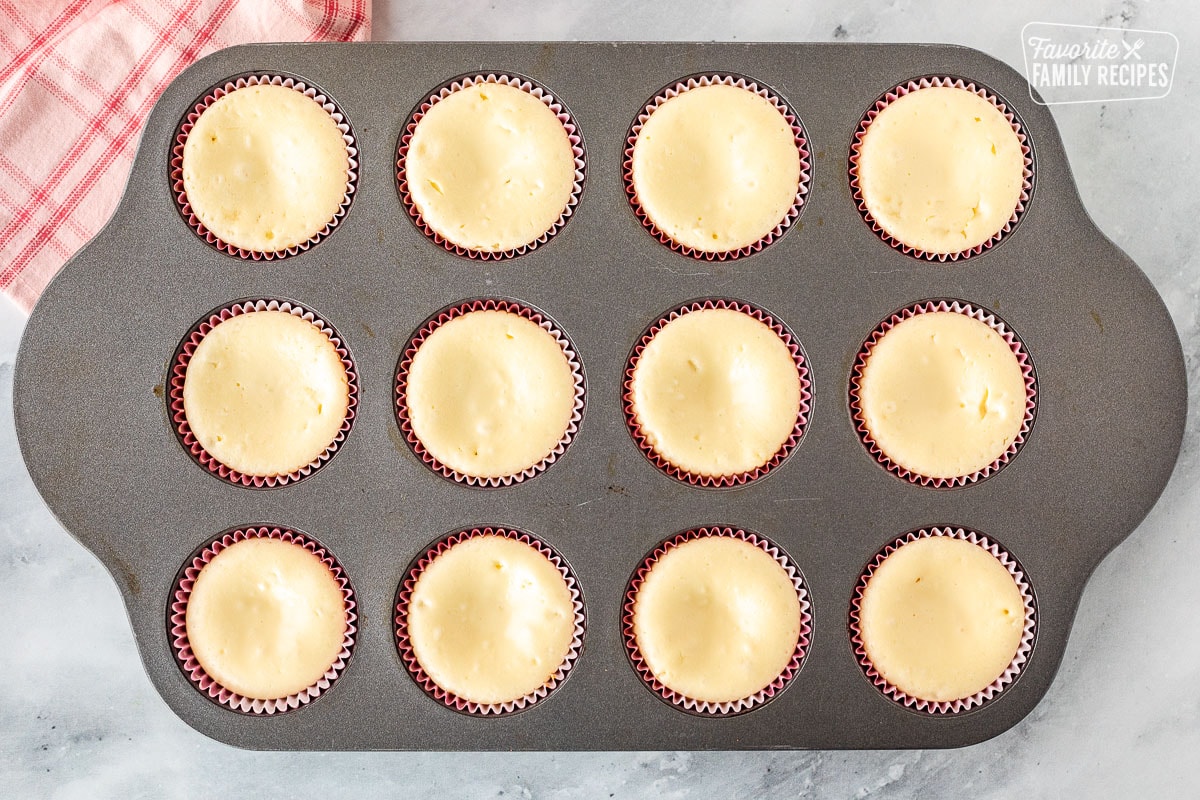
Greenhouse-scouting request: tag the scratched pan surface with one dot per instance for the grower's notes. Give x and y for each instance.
(94, 430)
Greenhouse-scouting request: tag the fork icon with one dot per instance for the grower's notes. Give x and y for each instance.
(1132, 50)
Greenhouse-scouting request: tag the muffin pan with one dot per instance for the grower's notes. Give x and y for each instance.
(92, 385)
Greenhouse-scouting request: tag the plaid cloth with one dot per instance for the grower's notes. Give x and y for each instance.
(81, 77)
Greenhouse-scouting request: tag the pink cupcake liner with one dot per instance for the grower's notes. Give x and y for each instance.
(408, 654)
(526, 85)
(441, 318)
(181, 136)
(183, 356)
(705, 707)
(946, 707)
(679, 88)
(969, 310)
(925, 83)
(183, 649)
(717, 481)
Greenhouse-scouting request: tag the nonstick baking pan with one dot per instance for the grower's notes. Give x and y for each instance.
(95, 429)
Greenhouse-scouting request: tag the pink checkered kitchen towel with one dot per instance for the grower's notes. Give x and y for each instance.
(80, 78)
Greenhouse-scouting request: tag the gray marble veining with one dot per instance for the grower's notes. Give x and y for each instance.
(79, 718)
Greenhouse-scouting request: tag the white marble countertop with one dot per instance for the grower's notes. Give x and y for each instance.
(79, 718)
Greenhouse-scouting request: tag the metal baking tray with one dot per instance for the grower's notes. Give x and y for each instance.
(94, 431)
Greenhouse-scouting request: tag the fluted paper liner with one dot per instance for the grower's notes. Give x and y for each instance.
(996, 687)
(718, 481)
(183, 356)
(183, 649)
(574, 138)
(705, 707)
(449, 699)
(181, 136)
(739, 82)
(1027, 177)
(404, 418)
(974, 312)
